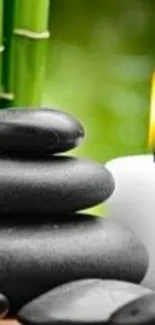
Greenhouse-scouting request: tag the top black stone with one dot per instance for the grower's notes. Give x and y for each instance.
(38, 131)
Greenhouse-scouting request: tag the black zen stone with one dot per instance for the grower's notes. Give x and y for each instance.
(138, 312)
(4, 305)
(42, 131)
(90, 301)
(37, 256)
(52, 185)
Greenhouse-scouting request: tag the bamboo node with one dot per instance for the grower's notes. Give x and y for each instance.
(1, 48)
(30, 34)
(8, 96)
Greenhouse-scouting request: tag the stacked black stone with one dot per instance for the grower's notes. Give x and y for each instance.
(140, 311)
(44, 240)
(89, 301)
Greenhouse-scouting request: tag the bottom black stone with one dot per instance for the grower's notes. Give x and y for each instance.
(37, 257)
(138, 312)
(80, 302)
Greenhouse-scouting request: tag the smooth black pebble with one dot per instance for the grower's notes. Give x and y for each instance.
(43, 131)
(138, 312)
(4, 305)
(37, 256)
(90, 301)
(52, 185)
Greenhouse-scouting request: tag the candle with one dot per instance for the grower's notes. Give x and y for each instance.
(133, 201)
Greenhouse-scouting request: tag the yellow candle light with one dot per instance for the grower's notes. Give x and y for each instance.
(151, 135)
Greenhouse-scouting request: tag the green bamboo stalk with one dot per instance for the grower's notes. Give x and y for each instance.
(7, 60)
(1, 45)
(29, 51)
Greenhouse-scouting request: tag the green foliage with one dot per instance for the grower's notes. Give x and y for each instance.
(24, 35)
(99, 66)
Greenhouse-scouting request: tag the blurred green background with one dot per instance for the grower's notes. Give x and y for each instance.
(99, 65)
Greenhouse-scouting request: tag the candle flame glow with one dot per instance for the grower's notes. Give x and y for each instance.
(151, 137)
